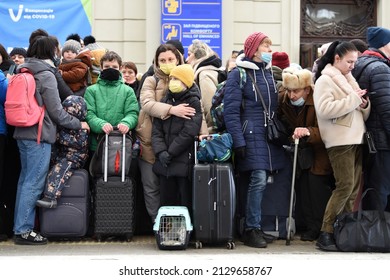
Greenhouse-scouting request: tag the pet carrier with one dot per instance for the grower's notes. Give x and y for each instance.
(172, 228)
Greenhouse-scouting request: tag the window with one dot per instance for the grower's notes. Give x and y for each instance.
(324, 21)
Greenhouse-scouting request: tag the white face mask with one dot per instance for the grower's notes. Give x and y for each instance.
(298, 102)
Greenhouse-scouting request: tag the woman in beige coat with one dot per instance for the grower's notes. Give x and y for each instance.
(341, 110)
(153, 90)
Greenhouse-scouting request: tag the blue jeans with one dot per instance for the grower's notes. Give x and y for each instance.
(256, 188)
(35, 159)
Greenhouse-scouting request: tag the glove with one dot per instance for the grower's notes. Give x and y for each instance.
(165, 158)
(240, 152)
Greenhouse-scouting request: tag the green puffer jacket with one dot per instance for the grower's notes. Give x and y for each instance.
(112, 102)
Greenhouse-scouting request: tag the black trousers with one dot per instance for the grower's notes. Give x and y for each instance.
(313, 193)
(176, 191)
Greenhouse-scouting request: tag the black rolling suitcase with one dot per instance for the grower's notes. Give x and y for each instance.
(70, 218)
(214, 203)
(114, 197)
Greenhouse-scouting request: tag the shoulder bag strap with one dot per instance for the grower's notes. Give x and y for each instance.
(259, 94)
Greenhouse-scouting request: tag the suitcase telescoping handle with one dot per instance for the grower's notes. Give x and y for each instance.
(196, 143)
(106, 156)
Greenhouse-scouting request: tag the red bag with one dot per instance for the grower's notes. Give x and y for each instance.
(21, 106)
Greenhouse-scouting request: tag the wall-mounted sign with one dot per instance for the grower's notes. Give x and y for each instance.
(186, 20)
(59, 18)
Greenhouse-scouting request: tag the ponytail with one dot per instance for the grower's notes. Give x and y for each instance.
(337, 47)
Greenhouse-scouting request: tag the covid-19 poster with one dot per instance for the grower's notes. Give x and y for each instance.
(18, 18)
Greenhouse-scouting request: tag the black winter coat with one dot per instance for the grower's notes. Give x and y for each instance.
(375, 77)
(176, 135)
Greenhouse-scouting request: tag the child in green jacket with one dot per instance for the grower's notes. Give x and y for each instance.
(110, 102)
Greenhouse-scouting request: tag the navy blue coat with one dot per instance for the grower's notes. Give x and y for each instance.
(244, 117)
(375, 77)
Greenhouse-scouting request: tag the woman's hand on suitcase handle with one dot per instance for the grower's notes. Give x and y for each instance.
(123, 128)
(107, 128)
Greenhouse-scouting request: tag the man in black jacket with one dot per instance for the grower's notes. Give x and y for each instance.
(372, 71)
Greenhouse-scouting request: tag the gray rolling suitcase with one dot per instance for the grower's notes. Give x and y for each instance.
(114, 200)
(213, 203)
(71, 216)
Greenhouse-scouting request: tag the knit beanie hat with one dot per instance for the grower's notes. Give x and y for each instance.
(76, 106)
(178, 45)
(71, 45)
(280, 59)
(252, 43)
(294, 78)
(378, 37)
(184, 73)
(21, 51)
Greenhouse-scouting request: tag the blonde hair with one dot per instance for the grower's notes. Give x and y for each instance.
(200, 49)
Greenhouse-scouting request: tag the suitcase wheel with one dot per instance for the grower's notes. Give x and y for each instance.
(198, 245)
(129, 237)
(230, 245)
(99, 238)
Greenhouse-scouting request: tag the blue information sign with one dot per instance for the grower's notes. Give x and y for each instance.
(186, 20)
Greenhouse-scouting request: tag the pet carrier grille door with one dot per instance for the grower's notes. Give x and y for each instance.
(172, 227)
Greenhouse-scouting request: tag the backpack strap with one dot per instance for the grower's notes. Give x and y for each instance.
(40, 124)
(38, 97)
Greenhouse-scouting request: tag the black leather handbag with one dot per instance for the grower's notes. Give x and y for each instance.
(276, 131)
(363, 230)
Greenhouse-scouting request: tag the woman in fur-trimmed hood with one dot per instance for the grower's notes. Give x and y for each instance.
(254, 156)
(341, 112)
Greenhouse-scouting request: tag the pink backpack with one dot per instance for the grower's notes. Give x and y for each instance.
(21, 106)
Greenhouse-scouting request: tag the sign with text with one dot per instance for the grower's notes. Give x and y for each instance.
(194, 19)
(59, 18)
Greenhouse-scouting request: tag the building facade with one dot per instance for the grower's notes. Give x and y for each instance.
(133, 27)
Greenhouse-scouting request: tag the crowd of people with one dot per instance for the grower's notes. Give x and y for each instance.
(88, 90)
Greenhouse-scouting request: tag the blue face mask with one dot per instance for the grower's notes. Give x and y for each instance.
(266, 57)
(299, 102)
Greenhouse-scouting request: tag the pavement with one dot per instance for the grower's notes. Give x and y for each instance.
(115, 259)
